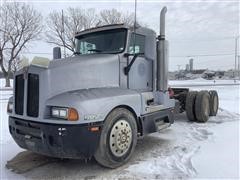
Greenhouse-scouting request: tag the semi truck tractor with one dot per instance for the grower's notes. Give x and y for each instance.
(98, 102)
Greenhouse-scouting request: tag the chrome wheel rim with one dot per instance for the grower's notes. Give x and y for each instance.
(120, 138)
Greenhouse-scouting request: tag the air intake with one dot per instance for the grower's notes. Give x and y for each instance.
(33, 95)
(19, 94)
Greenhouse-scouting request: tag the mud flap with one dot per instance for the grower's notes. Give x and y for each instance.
(27, 160)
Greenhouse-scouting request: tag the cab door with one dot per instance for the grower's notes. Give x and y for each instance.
(140, 74)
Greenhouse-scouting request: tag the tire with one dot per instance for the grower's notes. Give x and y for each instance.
(190, 105)
(202, 106)
(112, 152)
(214, 103)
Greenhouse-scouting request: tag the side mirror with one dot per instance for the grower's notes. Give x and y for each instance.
(56, 53)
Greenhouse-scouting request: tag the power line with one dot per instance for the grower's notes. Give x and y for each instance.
(202, 40)
(199, 55)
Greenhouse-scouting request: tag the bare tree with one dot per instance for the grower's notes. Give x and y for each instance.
(20, 24)
(62, 27)
(15, 66)
(113, 16)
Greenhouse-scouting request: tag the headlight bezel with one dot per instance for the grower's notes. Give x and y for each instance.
(64, 113)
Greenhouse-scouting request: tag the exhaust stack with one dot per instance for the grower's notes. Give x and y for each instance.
(162, 55)
(162, 22)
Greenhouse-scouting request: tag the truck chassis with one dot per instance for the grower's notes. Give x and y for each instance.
(107, 97)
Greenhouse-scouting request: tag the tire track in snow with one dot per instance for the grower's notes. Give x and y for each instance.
(181, 161)
(176, 161)
(176, 165)
(199, 133)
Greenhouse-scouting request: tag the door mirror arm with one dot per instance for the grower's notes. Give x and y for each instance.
(132, 54)
(128, 67)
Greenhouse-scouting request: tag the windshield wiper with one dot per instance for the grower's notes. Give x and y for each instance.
(95, 50)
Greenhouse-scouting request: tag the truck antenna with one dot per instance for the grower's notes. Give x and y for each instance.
(64, 47)
(135, 15)
(135, 25)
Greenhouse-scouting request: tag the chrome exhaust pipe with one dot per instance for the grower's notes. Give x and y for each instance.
(162, 55)
(162, 23)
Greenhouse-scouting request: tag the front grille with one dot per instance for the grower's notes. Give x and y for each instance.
(25, 128)
(33, 95)
(19, 94)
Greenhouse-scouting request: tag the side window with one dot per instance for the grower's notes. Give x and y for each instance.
(137, 44)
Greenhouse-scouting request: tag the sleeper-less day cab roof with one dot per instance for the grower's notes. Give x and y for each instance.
(139, 29)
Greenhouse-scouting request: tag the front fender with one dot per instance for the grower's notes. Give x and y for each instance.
(93, 105)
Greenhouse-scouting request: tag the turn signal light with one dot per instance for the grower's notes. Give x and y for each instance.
(94, 129)
(72, 114)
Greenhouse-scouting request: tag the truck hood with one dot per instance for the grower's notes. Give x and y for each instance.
(81, 72)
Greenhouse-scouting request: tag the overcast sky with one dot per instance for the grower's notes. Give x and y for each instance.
(194, 28)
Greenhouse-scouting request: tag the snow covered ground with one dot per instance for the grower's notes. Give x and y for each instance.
(201, 81)
(185, 150)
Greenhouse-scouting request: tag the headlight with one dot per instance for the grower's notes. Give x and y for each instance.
(70, 114)
(10, 107)
(60, 112)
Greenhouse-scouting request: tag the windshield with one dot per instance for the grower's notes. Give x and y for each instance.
(108, 41)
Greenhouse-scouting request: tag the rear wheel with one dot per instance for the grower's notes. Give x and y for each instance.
(202, 106)
(214, 103)
(190, 105)
(118, 139)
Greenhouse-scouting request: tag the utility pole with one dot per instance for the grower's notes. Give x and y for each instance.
(179, 66)
(239, 67)
(236, 56)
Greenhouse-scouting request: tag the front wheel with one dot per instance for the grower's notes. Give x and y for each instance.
(118, 139)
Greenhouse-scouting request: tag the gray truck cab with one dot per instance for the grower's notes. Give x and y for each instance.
(96, 102)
